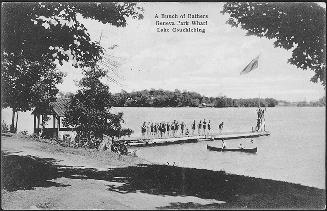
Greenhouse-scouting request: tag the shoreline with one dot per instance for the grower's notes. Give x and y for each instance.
(45, 166)
(277, 106)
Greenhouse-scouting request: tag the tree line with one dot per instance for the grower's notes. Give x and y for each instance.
(166, 98)
(318, 103)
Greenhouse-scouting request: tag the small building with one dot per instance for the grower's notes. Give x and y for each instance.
(203, 105)
(52, 114)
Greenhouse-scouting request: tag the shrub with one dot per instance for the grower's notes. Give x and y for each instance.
(25, 132)
(89, 112)
(4, 127)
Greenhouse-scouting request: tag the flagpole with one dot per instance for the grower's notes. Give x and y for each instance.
(259, 101)
(100, 37)
(258, 69)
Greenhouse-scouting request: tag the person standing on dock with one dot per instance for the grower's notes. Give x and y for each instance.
(159, 131)
(163, 128)
(258, 124)
(152, 130)
(168, 128)
(209, 127)
(204, 126)
(258, 112)
(263, 120)
(143, 130)
(182, 128)
(148, 129)
(173, 127)
(193, 127)
(176, 127)
(260, 119)
(199, 127)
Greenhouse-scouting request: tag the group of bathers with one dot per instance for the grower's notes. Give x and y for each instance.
(203, 127)
(163, 129)
(174, 129)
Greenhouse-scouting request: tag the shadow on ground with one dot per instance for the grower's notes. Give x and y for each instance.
(27, 172)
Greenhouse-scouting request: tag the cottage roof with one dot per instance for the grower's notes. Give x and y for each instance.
(59, 107)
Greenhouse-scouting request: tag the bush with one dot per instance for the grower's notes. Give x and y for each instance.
(25, 132)
(89, 113)
(4, 127)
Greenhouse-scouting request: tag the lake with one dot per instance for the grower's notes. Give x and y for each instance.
(294, 152)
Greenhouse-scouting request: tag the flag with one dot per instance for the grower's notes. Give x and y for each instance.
(251, 66)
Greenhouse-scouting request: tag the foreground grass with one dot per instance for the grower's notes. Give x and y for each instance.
(30, 172)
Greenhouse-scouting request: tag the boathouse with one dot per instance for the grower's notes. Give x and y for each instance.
(52, 114)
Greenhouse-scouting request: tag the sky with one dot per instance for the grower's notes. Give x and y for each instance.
(208, 63)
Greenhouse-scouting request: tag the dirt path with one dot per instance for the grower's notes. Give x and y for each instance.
(43, 183)
(101, 160)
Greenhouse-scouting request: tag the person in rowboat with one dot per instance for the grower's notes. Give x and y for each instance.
(223, 145)
(241, 146)
(252, 143)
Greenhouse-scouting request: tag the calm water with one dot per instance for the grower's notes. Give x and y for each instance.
(294, 152)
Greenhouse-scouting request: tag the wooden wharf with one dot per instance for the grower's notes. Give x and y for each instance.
(143, 142)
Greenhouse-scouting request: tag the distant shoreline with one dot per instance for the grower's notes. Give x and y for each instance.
(277, 106)
(177, 98)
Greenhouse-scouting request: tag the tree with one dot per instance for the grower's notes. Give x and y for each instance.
(297, 26)
(54, 31)
(27, 84)
(36, 36)
(165, 98)
(89, 112)
(322, 101)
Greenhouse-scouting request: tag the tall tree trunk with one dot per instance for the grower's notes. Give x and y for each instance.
(16, 122)
(12, 128)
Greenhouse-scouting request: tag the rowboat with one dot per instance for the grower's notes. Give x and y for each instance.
(219, 149)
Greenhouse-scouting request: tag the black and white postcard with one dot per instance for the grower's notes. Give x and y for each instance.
(163, 105)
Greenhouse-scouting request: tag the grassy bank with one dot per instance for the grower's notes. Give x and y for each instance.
(28, 172)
